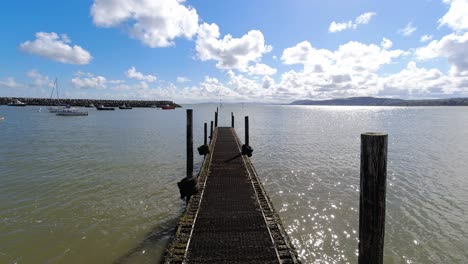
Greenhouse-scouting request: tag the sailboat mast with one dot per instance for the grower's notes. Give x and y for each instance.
(56, 84)
(52, 92)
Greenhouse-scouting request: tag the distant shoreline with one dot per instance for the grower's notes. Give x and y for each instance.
(374, 101)
(86, 102)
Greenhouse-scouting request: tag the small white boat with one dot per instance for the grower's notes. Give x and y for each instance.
(17, 103)
(2, 118)
(56, 109)
(71, 112)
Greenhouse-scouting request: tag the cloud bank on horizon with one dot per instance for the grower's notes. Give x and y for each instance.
(184, 54)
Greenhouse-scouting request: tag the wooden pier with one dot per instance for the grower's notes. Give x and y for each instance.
(230, 219)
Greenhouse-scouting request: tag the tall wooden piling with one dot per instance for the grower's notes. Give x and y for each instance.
(189, 143)
(211, 131)
(247, 131)
(216, 118)
(205, 133)
(372, 197)
(232, 119)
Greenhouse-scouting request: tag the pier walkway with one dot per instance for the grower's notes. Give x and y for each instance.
(231, 219)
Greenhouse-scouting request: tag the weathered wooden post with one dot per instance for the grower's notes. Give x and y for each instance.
(205, 132)
(372, 197)
(188, 186)
(204, 149)
(247, 131)
(211, 131)
(216, 118)
(232, 119)
(246, 148)
(189, 143)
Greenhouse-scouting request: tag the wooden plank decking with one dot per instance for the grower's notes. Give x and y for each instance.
(231, 219)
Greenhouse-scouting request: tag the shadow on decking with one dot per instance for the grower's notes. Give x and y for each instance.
(233, 158)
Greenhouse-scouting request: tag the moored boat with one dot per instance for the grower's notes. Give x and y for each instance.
(17, 103)
(102, 107)
(57, 107)
(168, 107)
(71, 112)
(125, 107)
(2, 118)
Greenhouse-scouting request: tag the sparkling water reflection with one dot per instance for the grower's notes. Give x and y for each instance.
(102, 188)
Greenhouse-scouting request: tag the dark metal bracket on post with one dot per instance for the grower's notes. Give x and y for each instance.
(372, 197)
(246, 148)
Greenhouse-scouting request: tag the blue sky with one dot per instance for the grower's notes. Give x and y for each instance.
(263, 51)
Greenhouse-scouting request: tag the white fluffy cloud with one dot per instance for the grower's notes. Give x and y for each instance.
(89, 81)
(261, 69)
(10, 82)
(229, 52)
(353, 56)
(453, 47)
(386, 43)
(353, 70)
(156, 23)
(360, 20)
(39, 80)
(57, 48)
(408, 30)
(134, 74)
(426, 38)
(416, 82)
(457, 16)
(182, 79)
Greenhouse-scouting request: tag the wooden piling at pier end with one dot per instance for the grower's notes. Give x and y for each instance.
(211, 131)
(232, 119)
(372, 197)
(189, 143)
(230, 219)
(205, 133)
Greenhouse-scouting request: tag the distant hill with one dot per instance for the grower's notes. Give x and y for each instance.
(373, 101)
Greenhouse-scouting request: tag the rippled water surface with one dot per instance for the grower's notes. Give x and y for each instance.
(102, 188)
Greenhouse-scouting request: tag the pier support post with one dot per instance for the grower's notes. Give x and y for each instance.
(211, 131)
(216, 119)
(204, 149)
(188, 186)
(246, 149)
(205, 133)
(189, 143)
(372, 197)
(247, 131)
(232, 119)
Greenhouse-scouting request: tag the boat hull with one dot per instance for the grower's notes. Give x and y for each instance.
(72, 113)
(103, 108)
(168, 107)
